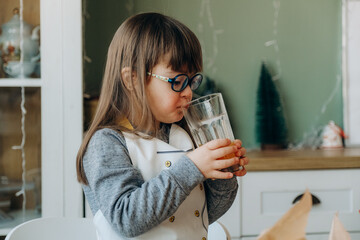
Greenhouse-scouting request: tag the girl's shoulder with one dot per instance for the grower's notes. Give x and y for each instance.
(106, 135)
(108, 132)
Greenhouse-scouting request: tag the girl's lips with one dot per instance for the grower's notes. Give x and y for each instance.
(185, 106)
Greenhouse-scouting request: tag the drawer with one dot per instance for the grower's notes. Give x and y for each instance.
(312, 237)
(266, 196)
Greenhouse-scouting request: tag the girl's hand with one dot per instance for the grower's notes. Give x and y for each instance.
(206, 158)
(243, 159)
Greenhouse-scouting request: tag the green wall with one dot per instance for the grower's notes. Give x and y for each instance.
(101, 19)
(233, 34)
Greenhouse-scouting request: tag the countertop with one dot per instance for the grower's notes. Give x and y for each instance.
(304, 159)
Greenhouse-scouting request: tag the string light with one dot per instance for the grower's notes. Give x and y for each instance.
(274, 42)
(23, 113)
(209, 60)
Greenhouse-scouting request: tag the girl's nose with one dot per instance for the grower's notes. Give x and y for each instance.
(187, 93)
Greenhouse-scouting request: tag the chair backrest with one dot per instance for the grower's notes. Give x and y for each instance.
(59, 228)
(217, 231)
(54, 228)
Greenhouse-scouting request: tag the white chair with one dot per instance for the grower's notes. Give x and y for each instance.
(54, 228)
(217, 231)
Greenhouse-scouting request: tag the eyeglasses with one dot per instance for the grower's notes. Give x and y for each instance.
(180, 82)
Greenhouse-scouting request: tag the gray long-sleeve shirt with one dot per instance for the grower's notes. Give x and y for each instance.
(133, 206)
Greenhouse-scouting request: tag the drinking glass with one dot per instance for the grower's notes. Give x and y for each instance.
(208, 120)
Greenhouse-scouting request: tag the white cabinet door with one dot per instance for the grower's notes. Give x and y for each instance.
(231, 219)
(61, 102)
(266, 196)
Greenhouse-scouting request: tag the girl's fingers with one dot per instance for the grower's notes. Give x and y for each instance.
(222, 164)
(238, 143)
(241, 172)
(218, 143)
(235, 168)
(244, 161)
(224, 152)
(221, 175)
(241, 152)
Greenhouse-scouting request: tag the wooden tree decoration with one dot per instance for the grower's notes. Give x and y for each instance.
(271, 131)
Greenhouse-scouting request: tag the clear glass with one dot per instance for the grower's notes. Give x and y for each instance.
(12, 211)
(208, 120)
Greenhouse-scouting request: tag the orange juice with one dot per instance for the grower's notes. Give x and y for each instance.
(233, 168)
(230, 155)
(227, 156)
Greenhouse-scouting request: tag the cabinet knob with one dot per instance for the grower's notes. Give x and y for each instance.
(315, 199)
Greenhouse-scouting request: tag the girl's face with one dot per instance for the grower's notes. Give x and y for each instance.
(165, 104)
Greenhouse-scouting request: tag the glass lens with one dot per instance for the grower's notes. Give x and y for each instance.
(180, 82)
(196, 81)
(12, 211)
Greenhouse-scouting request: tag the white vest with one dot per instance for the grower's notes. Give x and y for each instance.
(190, 221)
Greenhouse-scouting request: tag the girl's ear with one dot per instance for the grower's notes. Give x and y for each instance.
(129, 77)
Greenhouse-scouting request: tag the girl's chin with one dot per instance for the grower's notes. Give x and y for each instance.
(178, 117)
(173, 118)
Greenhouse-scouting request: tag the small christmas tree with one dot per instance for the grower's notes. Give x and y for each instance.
(271, 129)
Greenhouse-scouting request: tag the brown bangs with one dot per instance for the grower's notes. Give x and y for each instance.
(170, 36)
(185, 51)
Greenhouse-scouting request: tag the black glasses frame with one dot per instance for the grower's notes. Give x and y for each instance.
(187, 81)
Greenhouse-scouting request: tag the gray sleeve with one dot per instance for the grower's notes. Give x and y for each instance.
(131, 205)
(220, 195)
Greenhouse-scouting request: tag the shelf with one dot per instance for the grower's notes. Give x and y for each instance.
(304, 159)
(16, 82)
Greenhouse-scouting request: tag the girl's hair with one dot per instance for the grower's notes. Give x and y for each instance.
(139, 44)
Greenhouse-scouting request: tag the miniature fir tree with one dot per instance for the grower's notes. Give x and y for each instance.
(271, 129)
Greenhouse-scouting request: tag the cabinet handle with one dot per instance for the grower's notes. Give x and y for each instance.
(315, 199)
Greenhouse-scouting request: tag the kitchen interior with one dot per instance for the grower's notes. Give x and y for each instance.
(49, 93)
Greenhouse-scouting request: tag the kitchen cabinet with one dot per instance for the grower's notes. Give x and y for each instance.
(52, 127)
(265, 195)
(314, 237)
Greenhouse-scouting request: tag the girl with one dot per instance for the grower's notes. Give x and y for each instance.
(137, 168)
